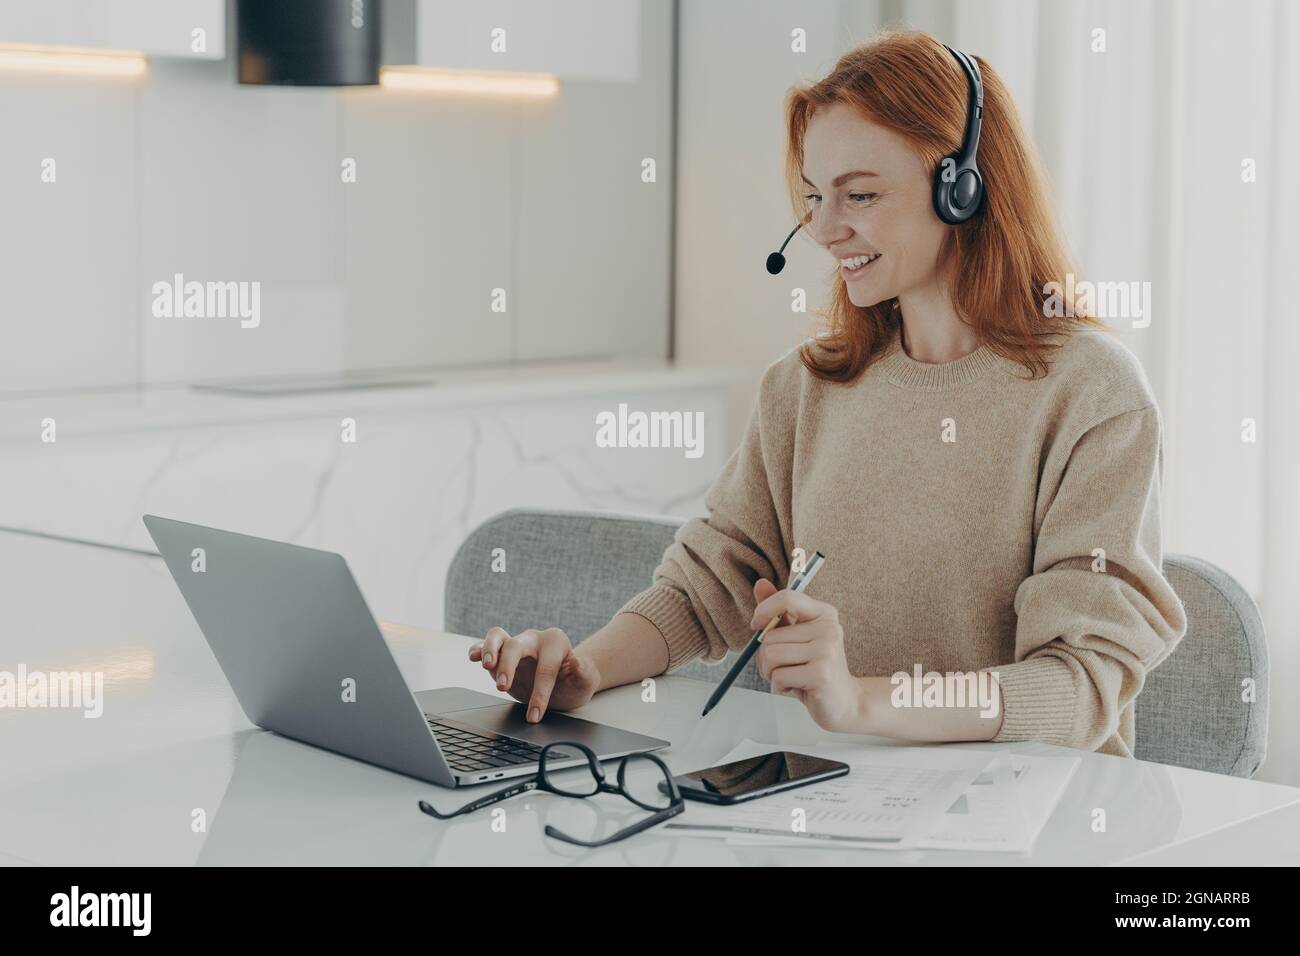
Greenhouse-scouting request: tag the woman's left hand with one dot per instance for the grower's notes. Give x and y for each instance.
(803, 657)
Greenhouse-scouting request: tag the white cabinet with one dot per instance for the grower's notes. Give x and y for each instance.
(180, 28)
(573, 39)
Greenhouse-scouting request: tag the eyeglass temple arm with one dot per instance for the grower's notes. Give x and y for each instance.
(654, 820)
(491, 798)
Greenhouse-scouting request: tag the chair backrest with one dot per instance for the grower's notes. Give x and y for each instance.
(1191, 711)
(575, 569)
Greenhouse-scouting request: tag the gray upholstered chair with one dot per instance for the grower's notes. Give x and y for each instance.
(574, 569)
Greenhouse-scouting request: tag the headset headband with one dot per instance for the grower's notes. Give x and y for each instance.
(975, 109)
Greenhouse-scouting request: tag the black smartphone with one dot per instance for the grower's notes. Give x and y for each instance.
(756, 777)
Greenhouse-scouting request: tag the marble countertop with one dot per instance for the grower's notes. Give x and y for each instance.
(132, 409)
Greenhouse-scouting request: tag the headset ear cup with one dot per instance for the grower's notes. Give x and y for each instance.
(941, 196)
(958, 200)
(966, 191)
(943, 206)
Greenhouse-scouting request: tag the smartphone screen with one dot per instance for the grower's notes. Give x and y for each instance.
(757, 776)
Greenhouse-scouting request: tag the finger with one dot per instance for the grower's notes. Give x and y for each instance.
(804, 633)
(577, 668)
(782, 687)
(773, 656)
(764, 589)
(806, 607)
(476, 652)
(521, 645)
(572, 661)
(553, 648)
(790, 602)
(492, 645)
(799, 677)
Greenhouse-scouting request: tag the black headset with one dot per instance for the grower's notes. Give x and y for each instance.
(958, 185)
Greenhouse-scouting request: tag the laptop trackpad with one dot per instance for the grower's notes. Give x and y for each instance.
(508, 719)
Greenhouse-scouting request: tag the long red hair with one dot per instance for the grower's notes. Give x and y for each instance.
(1005, 256)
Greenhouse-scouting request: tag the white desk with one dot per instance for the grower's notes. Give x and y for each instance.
(1269, 839)
(123, 789)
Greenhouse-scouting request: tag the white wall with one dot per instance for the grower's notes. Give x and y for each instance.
(186, 171)
(732, 210)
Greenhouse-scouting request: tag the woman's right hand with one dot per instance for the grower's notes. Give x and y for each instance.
(538, 668)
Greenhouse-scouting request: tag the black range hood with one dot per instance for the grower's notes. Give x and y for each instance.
(309, 42)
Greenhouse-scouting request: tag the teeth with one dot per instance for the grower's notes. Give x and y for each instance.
(858, 261)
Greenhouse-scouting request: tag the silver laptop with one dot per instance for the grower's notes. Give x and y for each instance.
(305, 658)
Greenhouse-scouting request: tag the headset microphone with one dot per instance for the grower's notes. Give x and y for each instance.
(776, 261)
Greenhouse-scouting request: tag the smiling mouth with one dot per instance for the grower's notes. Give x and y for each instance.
(851, 268)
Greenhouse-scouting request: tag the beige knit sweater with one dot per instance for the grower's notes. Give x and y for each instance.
(963, 511)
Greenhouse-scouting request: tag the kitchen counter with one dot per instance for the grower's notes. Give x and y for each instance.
(110, 410)
(396, 489)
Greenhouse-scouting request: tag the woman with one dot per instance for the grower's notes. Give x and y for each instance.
(981, 473)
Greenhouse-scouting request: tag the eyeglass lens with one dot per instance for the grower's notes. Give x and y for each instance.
(644, 782)
(582, 780)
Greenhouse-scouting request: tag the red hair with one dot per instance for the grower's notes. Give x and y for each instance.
(1006, 255)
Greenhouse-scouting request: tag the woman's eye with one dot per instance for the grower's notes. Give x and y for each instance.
(856, 197)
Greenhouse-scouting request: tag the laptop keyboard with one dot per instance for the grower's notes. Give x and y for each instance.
(472, 748)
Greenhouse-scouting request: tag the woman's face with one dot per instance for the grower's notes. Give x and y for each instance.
(871, 196)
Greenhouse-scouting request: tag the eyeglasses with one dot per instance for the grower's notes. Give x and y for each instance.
(656, 792)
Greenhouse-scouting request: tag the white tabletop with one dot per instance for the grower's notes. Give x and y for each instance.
(128, 787)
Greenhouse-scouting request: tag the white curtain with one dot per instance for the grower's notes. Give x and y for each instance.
(1147, 145)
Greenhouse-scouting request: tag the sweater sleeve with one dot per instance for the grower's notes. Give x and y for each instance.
(1091, 623)
(702, 595)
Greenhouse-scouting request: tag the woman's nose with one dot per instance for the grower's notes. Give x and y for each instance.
(826, 227)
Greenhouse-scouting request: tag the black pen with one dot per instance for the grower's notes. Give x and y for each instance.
(801, 581)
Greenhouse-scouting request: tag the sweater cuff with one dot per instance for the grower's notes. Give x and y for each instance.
(1038, 701)
(670, 612)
